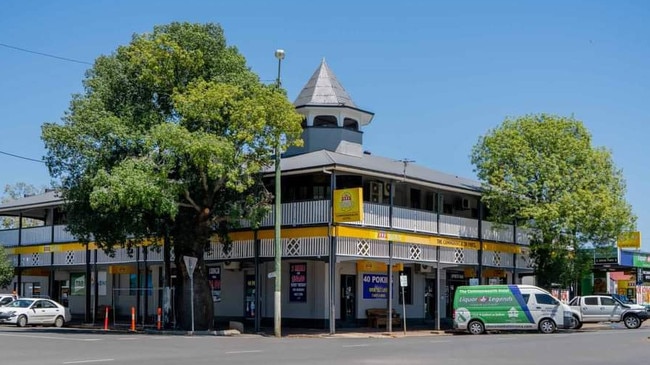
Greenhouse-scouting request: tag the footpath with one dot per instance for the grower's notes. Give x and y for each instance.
(362, 332)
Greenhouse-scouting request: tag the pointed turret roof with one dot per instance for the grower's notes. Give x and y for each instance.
(323, 88)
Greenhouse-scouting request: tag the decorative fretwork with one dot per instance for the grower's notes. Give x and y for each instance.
(226, 252)
(459, 256)
(363, 248)
(415, 252)
(496, 258)
(69, 258)
(36, 259)
(294, 247)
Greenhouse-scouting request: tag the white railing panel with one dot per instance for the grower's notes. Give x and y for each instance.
(297, 213)
(62, 235)
(414, 220)
(375, 215)
(458, 226)
(524, 235)
(9, 237)
(36, 235)
(498, 232)
(36, 259)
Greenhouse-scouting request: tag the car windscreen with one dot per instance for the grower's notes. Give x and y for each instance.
(20, 303)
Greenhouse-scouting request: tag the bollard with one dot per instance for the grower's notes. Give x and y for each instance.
(159, 322)
(106, 320)
(133, 319)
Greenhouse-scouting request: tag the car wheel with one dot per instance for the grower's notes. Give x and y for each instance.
(632, 321)
(22, 321)
(546, 326)
(475, 327)
(575, 323)
(58, 322)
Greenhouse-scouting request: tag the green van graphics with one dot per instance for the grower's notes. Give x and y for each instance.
(481, 307)
(494, 305)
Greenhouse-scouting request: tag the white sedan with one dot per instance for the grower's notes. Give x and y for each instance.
(26, 311)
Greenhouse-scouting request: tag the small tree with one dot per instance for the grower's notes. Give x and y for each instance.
(6, 268)
(542, 172)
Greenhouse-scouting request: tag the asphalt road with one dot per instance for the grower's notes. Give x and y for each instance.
(39, 346)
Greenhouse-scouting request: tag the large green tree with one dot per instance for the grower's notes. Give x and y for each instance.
(170, 135)
(543, 172)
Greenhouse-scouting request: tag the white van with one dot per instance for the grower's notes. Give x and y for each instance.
(509, 307)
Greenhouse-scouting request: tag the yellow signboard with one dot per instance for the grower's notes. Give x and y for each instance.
(122, 269)
(348, 205)
(629, 240)
(375, 266)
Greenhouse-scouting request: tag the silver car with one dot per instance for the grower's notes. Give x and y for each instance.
(24, 311)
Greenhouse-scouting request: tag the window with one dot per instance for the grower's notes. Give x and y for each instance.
(325, 121)
(545, 299)
(591, 301)
(607, 301)
(526, 297)
(48, 304)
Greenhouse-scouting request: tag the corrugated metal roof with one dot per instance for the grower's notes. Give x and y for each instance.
(323, 88)
(34, 205)
(378, 165)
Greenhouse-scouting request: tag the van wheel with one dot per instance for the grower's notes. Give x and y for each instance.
(22, 321)
(546, 326)
(632, 321)
(475, 327)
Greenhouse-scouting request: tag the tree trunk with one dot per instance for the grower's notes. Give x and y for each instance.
(191, 237)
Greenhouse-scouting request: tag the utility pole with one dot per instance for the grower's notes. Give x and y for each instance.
(277, 315)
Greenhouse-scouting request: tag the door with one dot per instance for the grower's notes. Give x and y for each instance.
(429, 299)
(610, 309)
(591, 309)
(547, 306)
(50, 311)
(36, 313)
(249, 297)
(348, 300)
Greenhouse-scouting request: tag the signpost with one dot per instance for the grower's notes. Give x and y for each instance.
(190, 265)
(403, 283)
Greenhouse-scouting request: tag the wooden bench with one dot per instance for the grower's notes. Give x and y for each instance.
(378, 317)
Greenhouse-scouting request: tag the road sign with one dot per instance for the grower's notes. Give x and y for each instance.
(403, 281)
(190, 264)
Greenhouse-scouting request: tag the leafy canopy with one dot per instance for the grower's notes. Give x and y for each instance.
(6, 268)
(173, 126)
(542, 171)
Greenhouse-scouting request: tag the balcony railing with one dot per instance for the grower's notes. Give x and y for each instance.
(319, 212)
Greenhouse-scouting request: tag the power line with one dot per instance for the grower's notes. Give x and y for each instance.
(45, 54)
(21, 157)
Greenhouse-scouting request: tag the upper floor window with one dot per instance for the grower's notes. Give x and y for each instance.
(325, 121)
(352, 124)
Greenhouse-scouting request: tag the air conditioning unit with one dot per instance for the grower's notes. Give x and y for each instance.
(423, 269)
(376, 191)
(231, 265)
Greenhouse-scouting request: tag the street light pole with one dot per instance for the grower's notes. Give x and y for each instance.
(277, 317)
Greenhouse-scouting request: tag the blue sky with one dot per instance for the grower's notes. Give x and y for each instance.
(436, 74)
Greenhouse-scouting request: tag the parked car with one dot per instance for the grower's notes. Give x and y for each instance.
(6, 299)
(24, 311)
(606, 308)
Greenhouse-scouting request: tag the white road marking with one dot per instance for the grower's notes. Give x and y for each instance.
(243, 352)
(361, 345)
(51, 337)
(88, 361)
